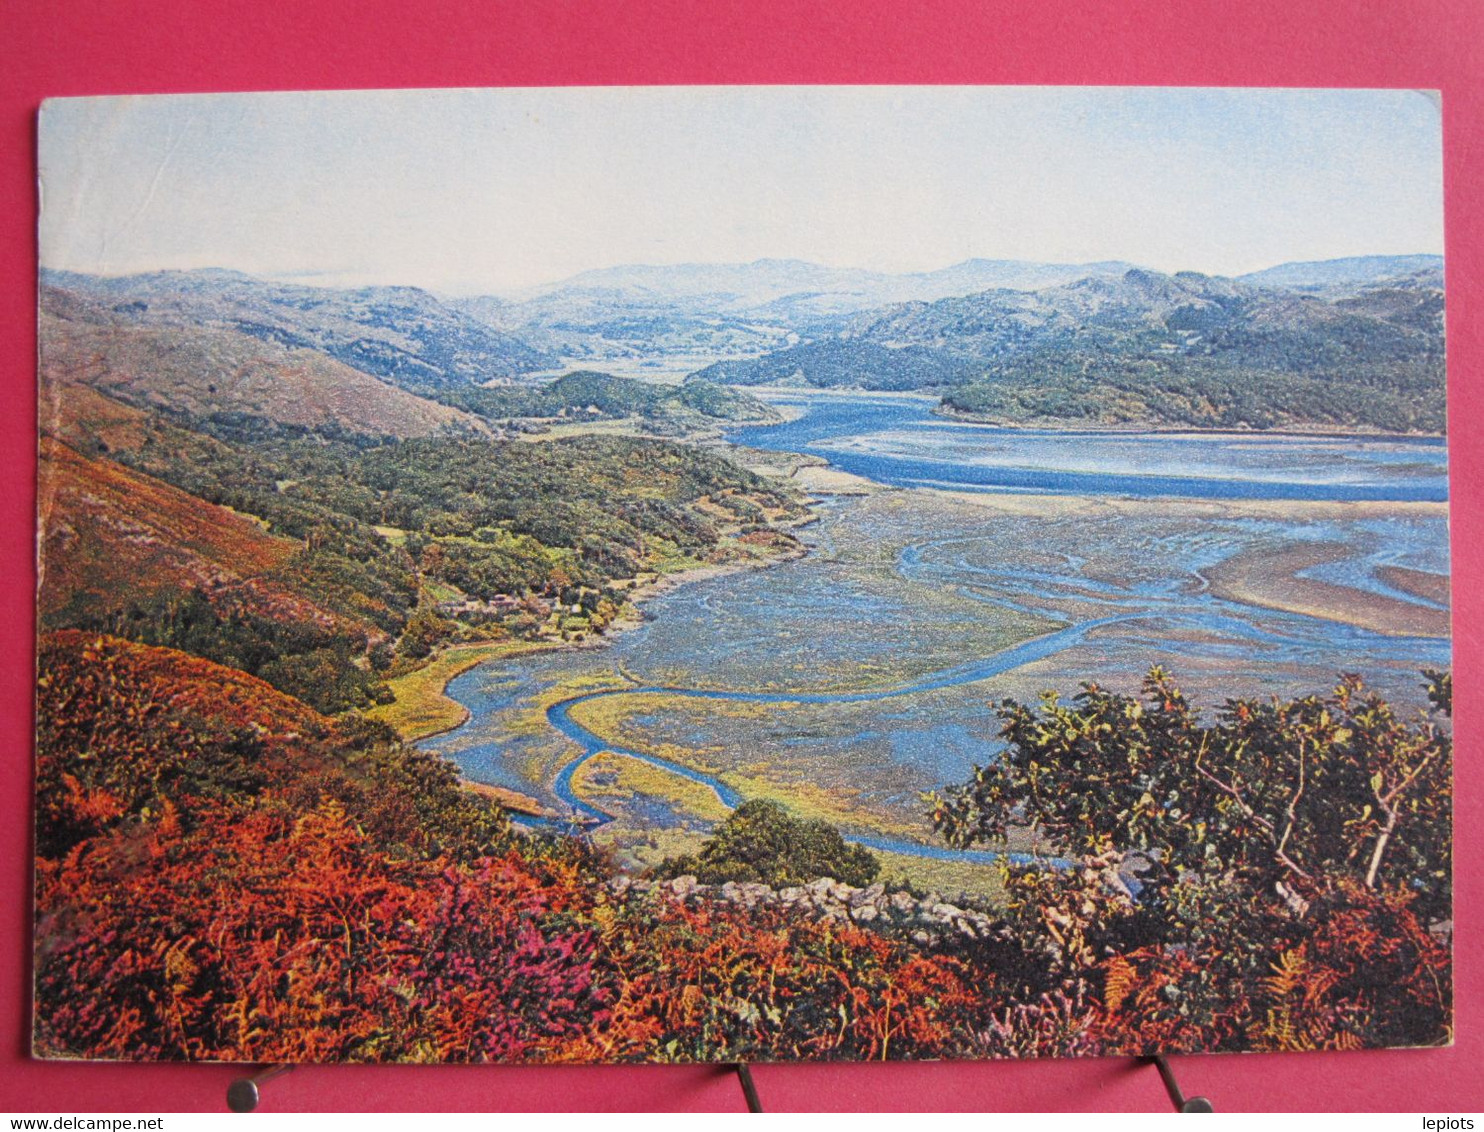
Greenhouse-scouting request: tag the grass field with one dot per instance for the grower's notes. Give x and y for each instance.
(421, 708)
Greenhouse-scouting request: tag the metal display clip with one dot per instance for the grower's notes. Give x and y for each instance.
(749, 1090)
(243, 1094)
(1181, 1102)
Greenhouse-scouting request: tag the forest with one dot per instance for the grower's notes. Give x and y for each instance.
(1093, 384)
(377, 531)
(591, 395)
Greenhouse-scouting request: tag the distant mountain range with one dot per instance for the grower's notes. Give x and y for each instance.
(1094, 343)
(591, 326)
(1365, 270)
(749, 287)
(739, 309)
(763, 283)
(1153, 349)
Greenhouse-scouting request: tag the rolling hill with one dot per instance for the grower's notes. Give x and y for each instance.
(588, 394)
(1147, 348)
(205, 370)
(1353, 271)
(593, 325)
(122, 339)
(403, 335)
(111, 536)
(749, 286)
(734, 309)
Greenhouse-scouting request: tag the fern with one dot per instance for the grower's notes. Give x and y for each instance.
(1288, 973)
(1119, 979)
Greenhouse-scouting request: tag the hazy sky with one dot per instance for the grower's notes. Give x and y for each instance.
(470, 191)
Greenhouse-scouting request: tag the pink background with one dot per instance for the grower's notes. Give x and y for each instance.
(56, 47)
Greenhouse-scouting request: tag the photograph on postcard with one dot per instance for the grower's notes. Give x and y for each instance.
(741, 574)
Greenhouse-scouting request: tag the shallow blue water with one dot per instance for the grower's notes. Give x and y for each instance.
(899, 441)
(1425, 649)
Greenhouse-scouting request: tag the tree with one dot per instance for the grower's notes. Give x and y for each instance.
(1272, 875)
(1276, 793)
(424, 630)
(761, 843)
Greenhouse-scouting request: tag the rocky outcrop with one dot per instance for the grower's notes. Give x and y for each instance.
(925, 920)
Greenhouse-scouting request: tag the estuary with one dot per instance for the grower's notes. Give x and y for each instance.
(970, 564)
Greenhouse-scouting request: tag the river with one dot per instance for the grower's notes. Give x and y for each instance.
(864, 674)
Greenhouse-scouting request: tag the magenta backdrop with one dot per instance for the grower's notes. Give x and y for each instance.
(59, 47)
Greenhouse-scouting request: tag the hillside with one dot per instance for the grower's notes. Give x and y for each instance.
(147, 351)
(203, 370)
(88, 420)
(749, 286)
(733, 310)
(1353, 271)
(181, 683)
(109, 534)
(1146, 348)
(842, 363)
(594, 324)
(401, 334)
(590, 395)
(318, 558)
(124, 553)
(262, 884)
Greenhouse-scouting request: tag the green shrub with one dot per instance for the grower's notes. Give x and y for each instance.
(760, 842)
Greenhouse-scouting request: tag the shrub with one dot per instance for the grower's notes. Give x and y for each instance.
(1268, 881)
(761, 843)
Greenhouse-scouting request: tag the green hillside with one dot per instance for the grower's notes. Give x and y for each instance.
(587, 394)
(1147, 349)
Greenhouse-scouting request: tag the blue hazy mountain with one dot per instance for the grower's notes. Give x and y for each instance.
(734, 309)
(1365, 270)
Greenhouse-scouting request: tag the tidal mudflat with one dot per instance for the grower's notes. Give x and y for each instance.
(849, 682)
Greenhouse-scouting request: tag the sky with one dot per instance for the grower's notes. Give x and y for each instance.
(500, 191)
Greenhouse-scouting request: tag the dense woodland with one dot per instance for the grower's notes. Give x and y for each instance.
(589, 395)
(847, 364)
(374, 521)
(1095, 385)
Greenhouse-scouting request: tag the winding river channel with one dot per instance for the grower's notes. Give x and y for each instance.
(976, 563)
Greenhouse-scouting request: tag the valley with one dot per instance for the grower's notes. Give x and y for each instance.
(937, 533)
(852, 682)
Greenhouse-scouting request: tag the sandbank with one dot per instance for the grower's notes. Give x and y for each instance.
(1272, 579)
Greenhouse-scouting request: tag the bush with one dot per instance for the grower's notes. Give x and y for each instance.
(760, 843)
(1277, 879)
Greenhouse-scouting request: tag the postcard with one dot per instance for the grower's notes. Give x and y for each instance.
(741, 574)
